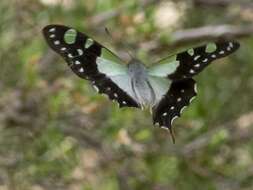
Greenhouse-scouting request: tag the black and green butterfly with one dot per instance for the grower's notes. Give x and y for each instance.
(167, 88)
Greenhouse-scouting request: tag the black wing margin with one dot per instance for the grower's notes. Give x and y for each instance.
(193, 61)
(81, 56)
(179, 96)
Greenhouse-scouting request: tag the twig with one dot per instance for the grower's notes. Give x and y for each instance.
(198, 36)
(243, 4)
(215, 2)
(210, 33)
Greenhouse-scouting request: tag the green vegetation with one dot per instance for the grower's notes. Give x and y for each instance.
(57, 133)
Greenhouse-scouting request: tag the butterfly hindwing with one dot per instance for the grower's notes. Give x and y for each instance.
(113, 92)
(91, 61)
(180, 94)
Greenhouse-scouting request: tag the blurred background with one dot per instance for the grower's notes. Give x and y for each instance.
(57, 133)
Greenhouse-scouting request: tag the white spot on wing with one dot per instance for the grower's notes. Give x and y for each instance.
(172, 107)
(77, 62)
(181, 111)
(205, 60)
(89, 42)
(179, 99)
(52, 36)
(165, 113)
(115, 95)
(124, 102)
(63, 48)
(70, 55)
(192, 99)
(197, 65)
(81, 70)
(173, 119)
(96, 88)
(231, 44)
(196, 57)
(164, 127)
(80, 51)
(195, 88)
(192, 71)
(57, 42)
(221, 52)
(213, 56)
(52, 30)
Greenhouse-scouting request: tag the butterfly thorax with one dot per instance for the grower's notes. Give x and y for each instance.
(140, 84)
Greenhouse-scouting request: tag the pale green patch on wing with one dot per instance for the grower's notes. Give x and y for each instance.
(160, 86)
(190, 51)
(116, 70)
(107, 54)
(70, 36)
(211, 47)
(124, 82)
(165, 67)
(110, 64)
(118, 73)
(110, 68)
(89, 42)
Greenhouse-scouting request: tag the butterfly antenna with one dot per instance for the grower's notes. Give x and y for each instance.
(125, 46)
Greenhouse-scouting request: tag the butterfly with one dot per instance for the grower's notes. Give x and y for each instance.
(166, 88)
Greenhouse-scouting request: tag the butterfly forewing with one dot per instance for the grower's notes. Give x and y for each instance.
(90, 60)
(191, 62)
(194, 60)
